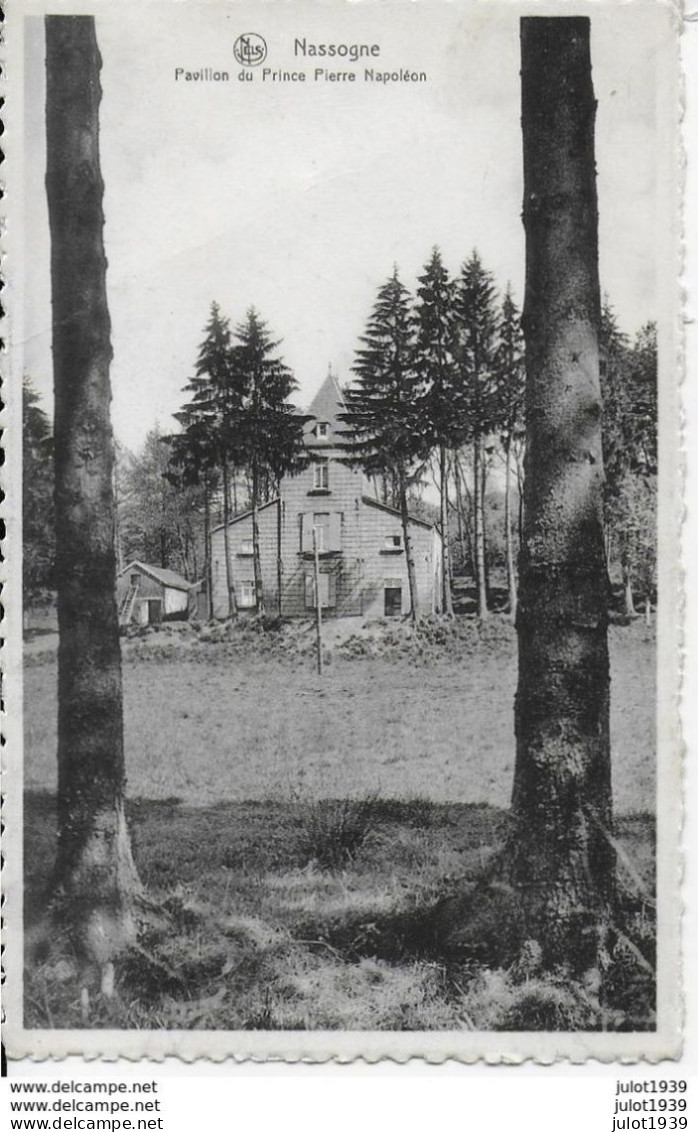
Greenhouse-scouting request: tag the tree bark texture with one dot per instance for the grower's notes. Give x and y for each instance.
(409, 552)
(207, 550)
(464, 496)
(95, 878)
(446, 598)
(229, 581)
(560, 855)
(256, 554)
(479, 519)
(628, 598)
(508, 542)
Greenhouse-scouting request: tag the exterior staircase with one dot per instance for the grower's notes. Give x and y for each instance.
(126, 610)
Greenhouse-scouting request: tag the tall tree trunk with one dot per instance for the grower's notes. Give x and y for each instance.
(468, 512)
(208, 563)
(560, 855)
(446, 599)
(118, 550)
(256, 556)
(483, 514)
(520, 497)
(229, 581)
(628, 600)
(279, 556)
(95, 881)
(509, 549)
(459, 510)
(479, 517)
(407, 540)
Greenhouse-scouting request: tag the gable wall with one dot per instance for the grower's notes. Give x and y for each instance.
(381, 565)
(243, 564)
(343, 498)
(360, 570)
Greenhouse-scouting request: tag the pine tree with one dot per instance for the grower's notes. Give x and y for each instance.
(266, 431)
(384, 417)
(207, 444)
(445, 407)
(510, 378)
(475, 306)
(643, 382)
(629, 389)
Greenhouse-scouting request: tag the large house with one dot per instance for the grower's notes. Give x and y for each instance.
(363, 571)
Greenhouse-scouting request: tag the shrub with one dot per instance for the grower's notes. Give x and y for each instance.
(333, 831)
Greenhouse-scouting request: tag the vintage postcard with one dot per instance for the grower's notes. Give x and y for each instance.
(342, 604)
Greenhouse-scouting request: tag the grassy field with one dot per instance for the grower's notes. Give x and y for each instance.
(304, 838)
(210, 722)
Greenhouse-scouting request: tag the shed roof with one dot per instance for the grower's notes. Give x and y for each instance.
(394, 511)
(246, 514)
(168, 578)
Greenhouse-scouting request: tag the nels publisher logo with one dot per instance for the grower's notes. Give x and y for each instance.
(250, 49)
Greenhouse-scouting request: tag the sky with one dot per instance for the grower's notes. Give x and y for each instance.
(298, 199)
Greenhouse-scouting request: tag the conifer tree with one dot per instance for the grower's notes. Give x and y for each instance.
(510, 383)
(445, 407)
(475, 307)
(629, 390)
(266, 430)
(210, 427)
(385, 430)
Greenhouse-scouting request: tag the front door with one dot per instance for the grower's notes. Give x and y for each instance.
(393, 601)
(154, 610)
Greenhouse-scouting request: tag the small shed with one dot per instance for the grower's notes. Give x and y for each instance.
(148, 595)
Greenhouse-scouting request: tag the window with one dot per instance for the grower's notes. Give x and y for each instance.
(321, 475)
(328, 591)
(246, 547)
(329, 528)
(135, 579)
(321, 522)
(246, 598)
(322, 429)
(393, 542)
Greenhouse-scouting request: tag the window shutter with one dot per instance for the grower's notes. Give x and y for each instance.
(309, 591)
(307, 533)
(331, 590)
(335, 531)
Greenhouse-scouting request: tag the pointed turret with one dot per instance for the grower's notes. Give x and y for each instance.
(328, 403)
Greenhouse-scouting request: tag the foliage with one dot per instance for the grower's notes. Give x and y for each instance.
(265, 429)
(477, 327)
(160, 520)
(509, 373)
(39, 540)
(384, 415)
(629, 390)
(436, 348)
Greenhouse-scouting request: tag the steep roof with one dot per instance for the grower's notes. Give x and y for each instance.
(168, 578)
(325, 407)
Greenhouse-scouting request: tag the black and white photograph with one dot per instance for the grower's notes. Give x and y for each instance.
(342, 597)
